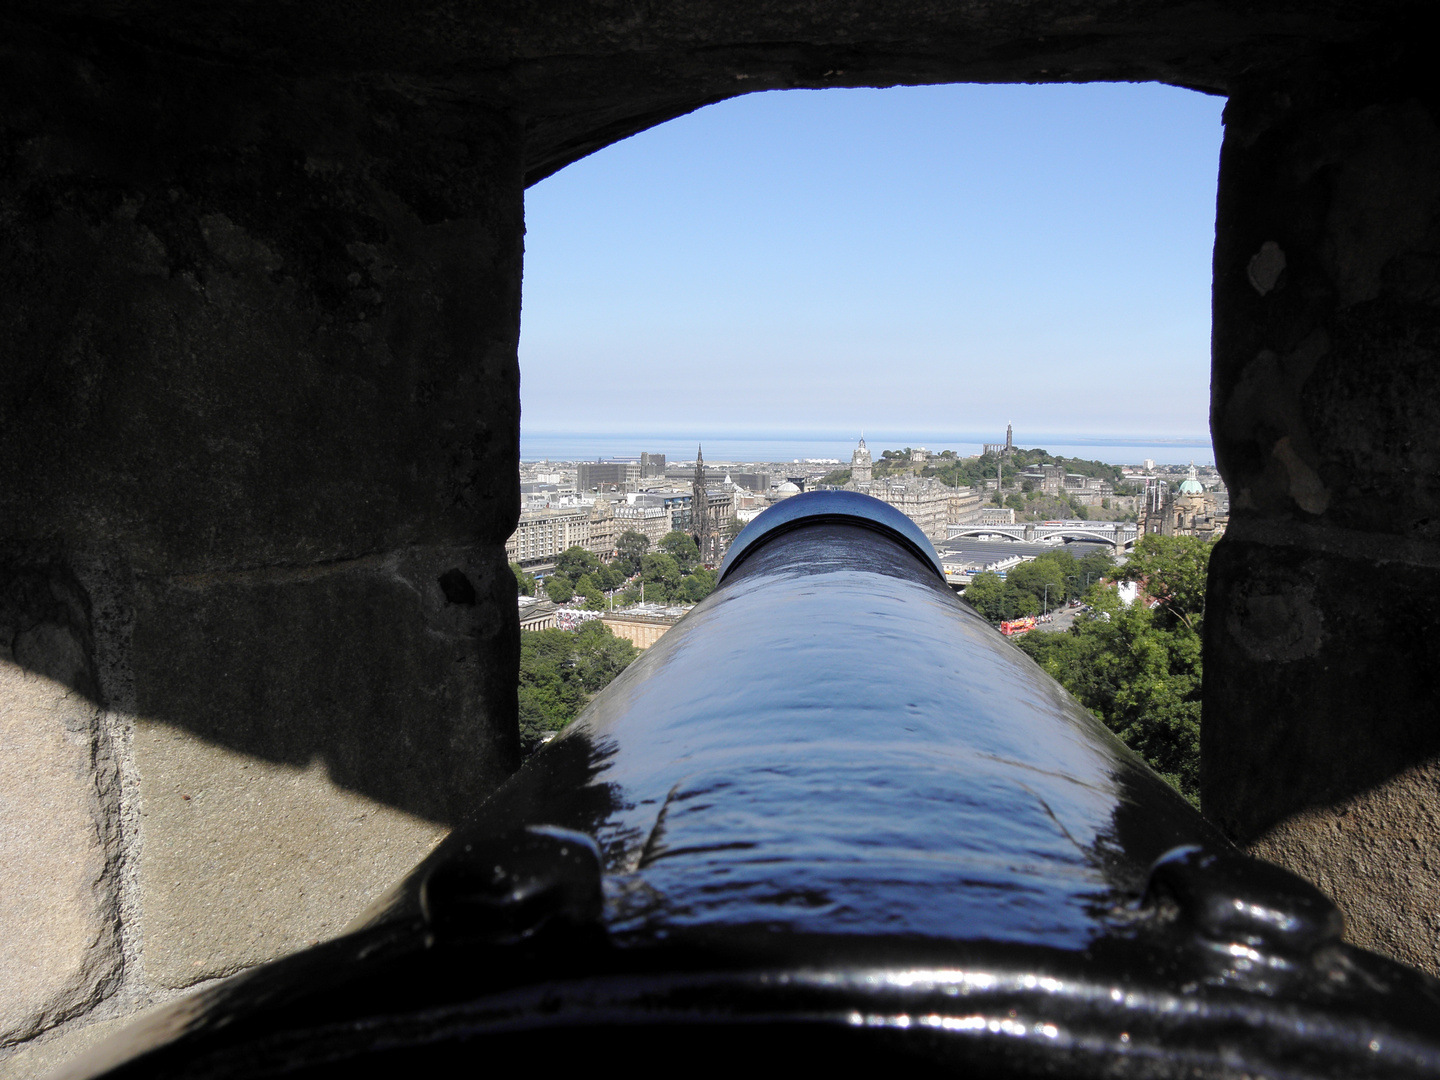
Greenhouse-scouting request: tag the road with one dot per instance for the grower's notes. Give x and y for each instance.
(1063, 620)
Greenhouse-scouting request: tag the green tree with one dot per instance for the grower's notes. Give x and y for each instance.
(986, 594)
(698, 585)
(1139, 668)
(680, 547)
(835, 478)
(608, 576)
(601, 655)
(1172, 570)
(524, 583)
(559, 588)
(561, 670)
(1041, 579)
(630, 548)
(594, 598)
(659, 570)
(575, 562)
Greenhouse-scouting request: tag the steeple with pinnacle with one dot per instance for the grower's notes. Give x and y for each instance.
(706, 530)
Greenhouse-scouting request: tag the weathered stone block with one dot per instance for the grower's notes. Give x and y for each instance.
(59, 951)
(58, 948)
(1375, 853)
(1328, 694)
(247, 859)
(305, 737)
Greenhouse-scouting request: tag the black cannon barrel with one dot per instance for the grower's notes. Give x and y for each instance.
(831, 819)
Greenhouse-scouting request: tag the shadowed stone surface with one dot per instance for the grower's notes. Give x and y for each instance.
(587, 74)
(252, 321)
(260, 379)
(1322, 662)
(363, 666)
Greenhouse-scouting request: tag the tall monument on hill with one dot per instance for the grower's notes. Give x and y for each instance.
(705, 529)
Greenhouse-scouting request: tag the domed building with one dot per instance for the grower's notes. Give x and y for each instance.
(1189, 511)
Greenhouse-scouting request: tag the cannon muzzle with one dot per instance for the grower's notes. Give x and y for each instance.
(830, 820)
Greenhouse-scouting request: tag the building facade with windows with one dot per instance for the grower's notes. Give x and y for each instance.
(543, 534)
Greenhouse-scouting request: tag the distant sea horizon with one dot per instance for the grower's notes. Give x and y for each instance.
(780, 447)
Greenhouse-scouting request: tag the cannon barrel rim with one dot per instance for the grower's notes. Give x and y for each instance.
(816, 507)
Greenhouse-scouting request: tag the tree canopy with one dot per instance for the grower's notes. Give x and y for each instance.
(561, 670)
(524, 583)
(575, 561)
(1044, 582)
(1139, 668)
(559, 588)
(594, 598)
(630, 548)
(680, 547)
(1172, 570)
(973, 471)
(661, 575)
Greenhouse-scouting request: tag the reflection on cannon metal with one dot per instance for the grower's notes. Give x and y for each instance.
(831, 818)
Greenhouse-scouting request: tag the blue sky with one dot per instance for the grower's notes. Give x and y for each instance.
(929, 259)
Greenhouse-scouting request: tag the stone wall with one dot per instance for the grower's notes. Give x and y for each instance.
(640, 630)
(1319, 741)
(259, 426)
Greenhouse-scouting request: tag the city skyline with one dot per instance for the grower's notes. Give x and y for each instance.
(838, 446)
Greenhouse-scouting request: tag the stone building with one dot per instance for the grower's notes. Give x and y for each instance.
(923, 500)
(963, 506)
(704, 524)
(997, 515)
(860, 467)
(608, 475)
(1188, 511)
(543, 534)
(604, 530)
(1004, 449)
(651, 514)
